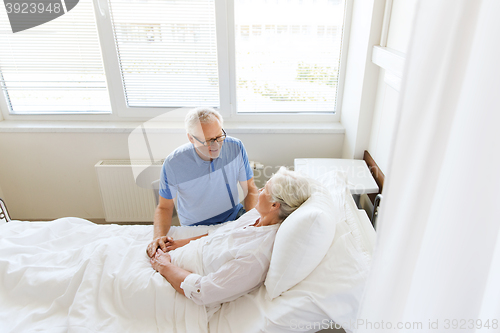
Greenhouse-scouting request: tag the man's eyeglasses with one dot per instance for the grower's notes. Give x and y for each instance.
(210, 142)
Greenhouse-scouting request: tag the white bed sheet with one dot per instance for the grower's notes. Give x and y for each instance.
(71, 275)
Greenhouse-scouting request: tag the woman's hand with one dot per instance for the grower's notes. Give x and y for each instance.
(174, 244)
(160, 260)
(162, 263)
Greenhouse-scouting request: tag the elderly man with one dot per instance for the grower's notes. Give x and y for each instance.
(203, 174)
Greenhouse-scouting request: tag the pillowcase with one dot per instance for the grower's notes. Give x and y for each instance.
(305, 236)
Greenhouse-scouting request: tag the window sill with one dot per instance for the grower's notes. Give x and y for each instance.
(9, 126)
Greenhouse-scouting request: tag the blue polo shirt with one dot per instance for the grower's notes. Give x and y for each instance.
(206, 191)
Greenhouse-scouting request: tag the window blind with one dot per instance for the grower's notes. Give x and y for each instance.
(55, 67)
(288, 56)
(167, 52)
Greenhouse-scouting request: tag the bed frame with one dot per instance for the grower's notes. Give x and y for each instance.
(379, 177)
(4, 213)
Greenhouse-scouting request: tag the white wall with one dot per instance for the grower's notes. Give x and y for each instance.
(385, 111)
(383, 125)
(51, 175)
(361, 76)
(400, 24)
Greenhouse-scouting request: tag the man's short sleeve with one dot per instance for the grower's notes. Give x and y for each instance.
(245, 170)
(167, 189)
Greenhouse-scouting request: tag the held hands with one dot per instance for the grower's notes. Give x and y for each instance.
(166, 244)
(158, 243)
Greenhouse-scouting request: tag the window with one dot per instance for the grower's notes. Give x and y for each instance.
(167, 52)
(290, 66)
(143, 57)
(55, 67)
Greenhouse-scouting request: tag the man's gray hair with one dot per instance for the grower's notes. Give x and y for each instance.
(201, 115)
(290, 189)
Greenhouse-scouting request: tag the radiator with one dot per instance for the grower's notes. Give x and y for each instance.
(125, 196)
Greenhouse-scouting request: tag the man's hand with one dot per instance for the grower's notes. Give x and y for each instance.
(160, 242)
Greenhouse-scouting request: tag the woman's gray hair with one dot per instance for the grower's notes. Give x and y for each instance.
(202, 115)
(290, 189)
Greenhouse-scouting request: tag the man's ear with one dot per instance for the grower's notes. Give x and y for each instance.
(190, 138)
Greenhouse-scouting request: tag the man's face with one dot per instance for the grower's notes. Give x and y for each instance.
(204, 133)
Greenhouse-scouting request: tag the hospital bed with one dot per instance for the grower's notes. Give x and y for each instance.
(70, 275)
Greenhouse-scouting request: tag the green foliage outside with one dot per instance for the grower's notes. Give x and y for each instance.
(317, 74)
(314, 74)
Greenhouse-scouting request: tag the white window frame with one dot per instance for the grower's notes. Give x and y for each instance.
(227, 78)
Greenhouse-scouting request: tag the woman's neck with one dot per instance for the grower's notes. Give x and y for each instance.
(269, 219)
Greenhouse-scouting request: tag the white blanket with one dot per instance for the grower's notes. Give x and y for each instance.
(71, 275)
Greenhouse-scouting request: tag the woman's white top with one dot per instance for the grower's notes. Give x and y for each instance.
(235, 258)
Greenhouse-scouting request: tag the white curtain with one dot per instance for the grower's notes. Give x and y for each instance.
(437, 257)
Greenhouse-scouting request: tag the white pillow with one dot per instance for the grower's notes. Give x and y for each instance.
(305, 236)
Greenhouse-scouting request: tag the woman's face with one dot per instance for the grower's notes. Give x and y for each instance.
(264, 202)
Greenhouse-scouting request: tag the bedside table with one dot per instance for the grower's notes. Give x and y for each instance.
(358, 175)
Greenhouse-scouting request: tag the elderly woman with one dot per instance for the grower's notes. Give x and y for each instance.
(236, 256)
